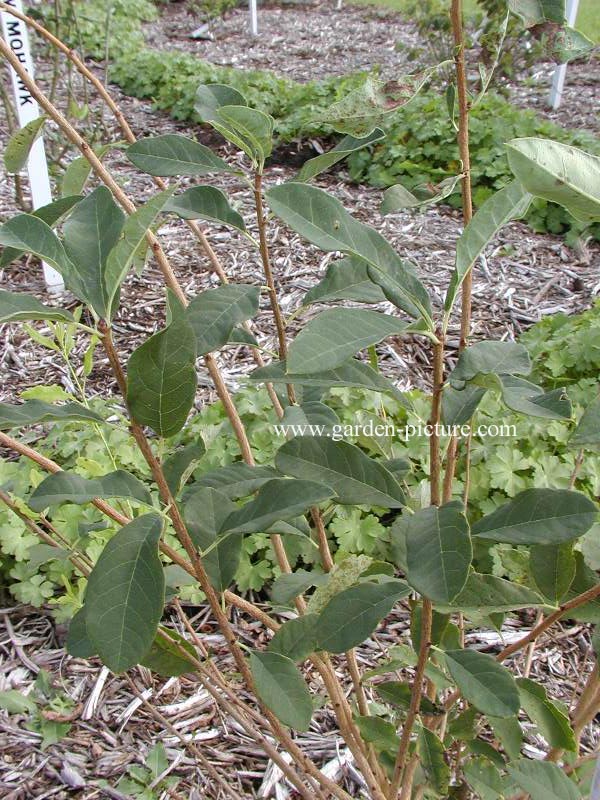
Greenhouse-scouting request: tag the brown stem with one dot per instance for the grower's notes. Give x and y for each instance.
(266, 262)
(456, 16)
(415, 700)
(436, 415)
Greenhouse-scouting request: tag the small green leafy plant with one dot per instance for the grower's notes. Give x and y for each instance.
(435, 555)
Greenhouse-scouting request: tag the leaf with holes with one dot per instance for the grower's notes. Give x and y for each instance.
(20, 143)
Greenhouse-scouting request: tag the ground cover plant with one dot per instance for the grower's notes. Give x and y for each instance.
(452, 562)
(420, 143)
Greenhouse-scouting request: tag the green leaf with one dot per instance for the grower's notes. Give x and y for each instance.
(485, 358)
(539, 516)
(178, 466)
(484, 682)
(78, 642)
(16, 702)
(543, 780)
(297, 638)
(511, 202)
(553, 569)
(161, 376)
(353, 374)
(311, 413)
(399, 694)
(289, 585)
(24, 307)
(332, 337)
(510, 734)
(346, 279)
(553, 723)
(397, 197)
(246, 128)
(67, 487)
(534, 12)
(210, 97)
(282, 688)
(34, 412)
(238, 479)
(587, 432)
(156, 760)
(20, 143)
(430, 750)
(205, 512)
(165, 657)
(459, 405)
(205, 202)
(213, 314)
(353, 475)
(78, 171)
(90, 233)
(439, 551)
(483, 777)
(122, 255)
(349, 144)
(174, 154)
(125, 594)
(51, 214)
(351, 616)
(559, 173)
(323, 220)
(27, 233)
(527, 398)
(372, 102)
(278, 499)
(378, 732)
(490, 595)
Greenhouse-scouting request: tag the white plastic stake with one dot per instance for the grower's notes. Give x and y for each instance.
(560, 73)
(253, 18)
(14, 32)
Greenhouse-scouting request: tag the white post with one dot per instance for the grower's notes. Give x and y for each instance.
(14, 32)
(253, 18)
(558, 79)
